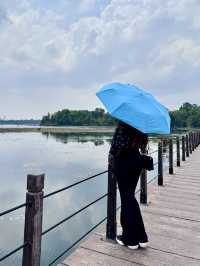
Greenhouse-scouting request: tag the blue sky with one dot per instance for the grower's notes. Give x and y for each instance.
(57, 54)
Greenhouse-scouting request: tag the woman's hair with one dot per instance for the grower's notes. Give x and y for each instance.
(126, 138)
(137, 139)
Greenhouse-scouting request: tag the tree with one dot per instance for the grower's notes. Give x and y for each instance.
(66, 117)
(188, 115)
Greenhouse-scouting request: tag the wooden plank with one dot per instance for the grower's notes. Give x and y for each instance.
(172, 221)
(176, 205)
(187, 201)
(176, 246)
(170, 230)
(186, 182)
(151, 256)
(90, 257)
(173, 212)
(181, 191)
(186, 188)
(179, 194)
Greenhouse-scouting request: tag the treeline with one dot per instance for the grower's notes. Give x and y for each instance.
(67, 117)
(188, 115)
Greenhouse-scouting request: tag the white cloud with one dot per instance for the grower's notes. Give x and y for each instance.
(76, 46)
(181, 50)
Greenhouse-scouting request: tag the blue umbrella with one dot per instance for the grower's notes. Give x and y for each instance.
(135, 107)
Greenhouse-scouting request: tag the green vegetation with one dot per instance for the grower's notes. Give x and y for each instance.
(98, 117)
(188, 115)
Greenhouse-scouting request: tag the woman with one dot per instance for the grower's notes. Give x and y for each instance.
(126, 163)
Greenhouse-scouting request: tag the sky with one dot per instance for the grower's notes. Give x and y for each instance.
(57, 54)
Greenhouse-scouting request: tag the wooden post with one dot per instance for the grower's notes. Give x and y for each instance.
(160, 164)
(198, 138)
(187, 146)
(143, 187)
(143, 184)
(164, 144)
(178, 159)
(190, 142)
(194, 140)
(111, 226)
(33, 220)
(171, 170)
(183, 148)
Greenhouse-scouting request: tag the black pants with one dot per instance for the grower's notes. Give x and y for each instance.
(133, 230)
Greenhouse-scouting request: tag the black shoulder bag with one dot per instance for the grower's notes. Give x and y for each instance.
(147, 162)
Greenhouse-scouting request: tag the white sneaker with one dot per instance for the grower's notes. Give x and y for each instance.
(133, 247)
(144, 244)
(119, 240)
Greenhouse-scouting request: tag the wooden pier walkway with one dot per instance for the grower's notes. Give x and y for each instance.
(172, 221)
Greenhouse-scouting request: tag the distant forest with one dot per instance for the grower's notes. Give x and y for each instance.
(66, 117)
(188, 115)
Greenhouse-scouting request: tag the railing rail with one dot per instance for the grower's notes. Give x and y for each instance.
(14, 251)
(72, 215)
(33, 217)
(76, 242)
(72, 185)
(34, 198)
(13, 209)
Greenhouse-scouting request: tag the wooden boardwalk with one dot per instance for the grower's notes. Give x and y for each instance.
(172, 221)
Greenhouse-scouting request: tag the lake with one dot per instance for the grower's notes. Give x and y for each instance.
(64, 158)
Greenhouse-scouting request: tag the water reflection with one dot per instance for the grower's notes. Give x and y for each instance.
(96, 138)
(65, 159)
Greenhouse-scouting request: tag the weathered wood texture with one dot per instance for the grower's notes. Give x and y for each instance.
(172, 221)
(160, 164)
(178, 156)
(183, 148)
(33, 220)
(143, 184)
(187, 146)
(171, 153)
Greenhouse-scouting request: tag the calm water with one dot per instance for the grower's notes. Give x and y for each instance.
(64, 158)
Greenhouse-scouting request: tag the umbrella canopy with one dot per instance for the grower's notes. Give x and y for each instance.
(135, 107)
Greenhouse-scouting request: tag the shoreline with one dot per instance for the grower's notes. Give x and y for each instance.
(70, 129)
(67, 129)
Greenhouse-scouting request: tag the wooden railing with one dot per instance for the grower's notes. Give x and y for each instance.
(189, 142)
(35, 196)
